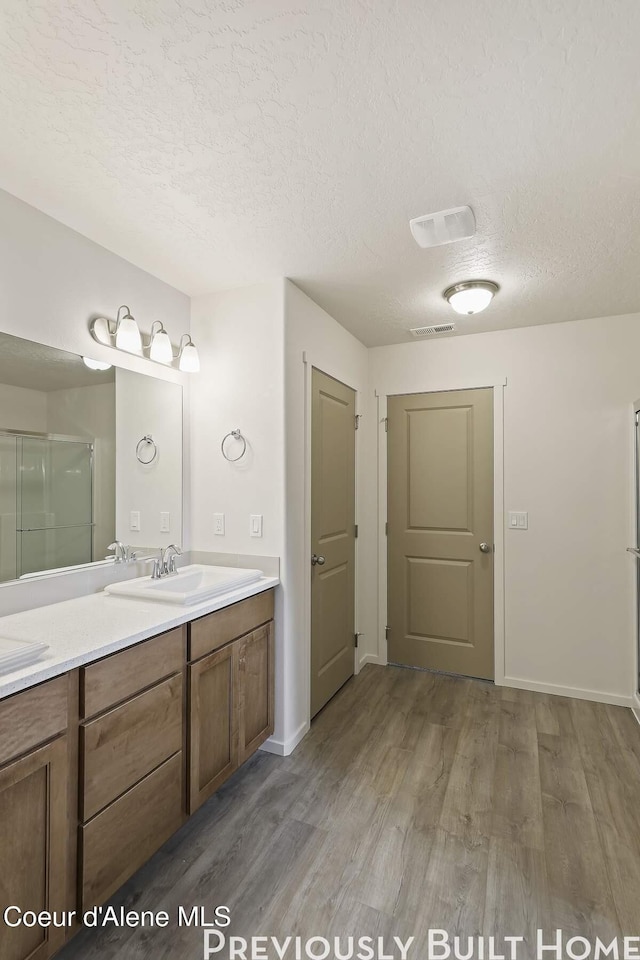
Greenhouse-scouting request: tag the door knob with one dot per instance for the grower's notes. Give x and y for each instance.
(316, 559)
(485, 548)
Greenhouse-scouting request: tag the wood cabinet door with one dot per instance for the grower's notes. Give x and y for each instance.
(255, 689)
(213, 738)
(33, 847)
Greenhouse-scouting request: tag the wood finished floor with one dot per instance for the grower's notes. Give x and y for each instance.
(416, 801)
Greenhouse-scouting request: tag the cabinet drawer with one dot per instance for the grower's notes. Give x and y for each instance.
(33, 716)
(122, 746)
(119, 840)
(213, 631)
(122, 675)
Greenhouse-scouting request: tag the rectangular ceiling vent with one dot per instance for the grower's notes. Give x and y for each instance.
(430, 331)
(446, 226)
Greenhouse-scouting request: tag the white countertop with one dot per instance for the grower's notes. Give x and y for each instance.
(87, 628)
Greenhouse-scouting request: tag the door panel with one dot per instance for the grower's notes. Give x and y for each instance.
(332, 537)
(440, 509)
(255, 721)
(213, 735)
(33, 847)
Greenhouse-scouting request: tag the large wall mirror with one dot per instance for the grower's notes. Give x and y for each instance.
(86, 457)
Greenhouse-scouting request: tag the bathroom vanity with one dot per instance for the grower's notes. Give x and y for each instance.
(103, 761)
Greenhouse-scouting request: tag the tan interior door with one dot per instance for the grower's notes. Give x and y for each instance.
(332, 537)
(440, 533)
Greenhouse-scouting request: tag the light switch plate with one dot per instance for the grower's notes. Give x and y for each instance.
(218, 524)
(255, 525)
(165, 521)
(518, 520)
(134, 520)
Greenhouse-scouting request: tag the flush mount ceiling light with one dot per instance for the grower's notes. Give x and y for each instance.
(187, 356)
(96, 364)
(159, 345)
(472, 296)
(123, 334)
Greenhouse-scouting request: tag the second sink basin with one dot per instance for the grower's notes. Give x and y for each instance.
(192, 584)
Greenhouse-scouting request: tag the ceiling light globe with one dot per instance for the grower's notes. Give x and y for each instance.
(96, 364)
(472, 296)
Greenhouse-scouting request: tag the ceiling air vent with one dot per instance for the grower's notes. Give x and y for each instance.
(446, 226)
(431, 331)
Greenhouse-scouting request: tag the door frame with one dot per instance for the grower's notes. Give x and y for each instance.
(498, 387)
(309, 365)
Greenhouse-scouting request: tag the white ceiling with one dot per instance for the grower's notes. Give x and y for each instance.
(37, 367)
(220, 144)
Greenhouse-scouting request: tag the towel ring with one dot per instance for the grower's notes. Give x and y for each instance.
(236, 436)
(147, 443)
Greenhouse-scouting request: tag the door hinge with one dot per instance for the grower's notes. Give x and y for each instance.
(357, 419)
(386, 424)
(386, 529)
(355, 639)
(387, 631)
(356, 531)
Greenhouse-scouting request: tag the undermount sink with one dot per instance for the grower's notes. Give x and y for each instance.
(192, 584)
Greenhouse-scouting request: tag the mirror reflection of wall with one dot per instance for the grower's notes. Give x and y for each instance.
(67, 461)
(151, 492)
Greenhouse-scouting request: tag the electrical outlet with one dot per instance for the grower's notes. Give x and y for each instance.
(218, 524)
(134, 521)
(255, 525)
(165, 522)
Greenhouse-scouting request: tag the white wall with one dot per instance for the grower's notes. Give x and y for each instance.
(91, 412)
(52, 282)
(314, 339)
(241, 385)
(568, 460)
(22, 409)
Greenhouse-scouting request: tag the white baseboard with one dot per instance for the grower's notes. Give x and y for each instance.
(577, 693)
(282, 748)
(368, 658)
(636, 707)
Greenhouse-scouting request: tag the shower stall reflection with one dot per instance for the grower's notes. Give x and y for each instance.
(46, 503)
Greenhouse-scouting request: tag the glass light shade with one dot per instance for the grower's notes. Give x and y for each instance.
(160, 348)
(472, 296)
(96, 364)
(189, 359)
(128, 336)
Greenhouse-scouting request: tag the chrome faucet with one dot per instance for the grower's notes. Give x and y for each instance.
(121, 552)
(164, 564)
(169, 559)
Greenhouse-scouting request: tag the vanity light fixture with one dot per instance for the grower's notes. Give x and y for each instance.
(124, 334)
(159, 345)
(187, 356)
(472, 296)
(96, 364)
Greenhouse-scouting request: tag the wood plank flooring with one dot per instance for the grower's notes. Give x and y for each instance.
(416, 801)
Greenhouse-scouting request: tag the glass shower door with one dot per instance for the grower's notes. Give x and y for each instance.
(55, 508)
(8, 484)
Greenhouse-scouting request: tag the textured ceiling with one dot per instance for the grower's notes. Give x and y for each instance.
(220, 144)
(37, 367)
